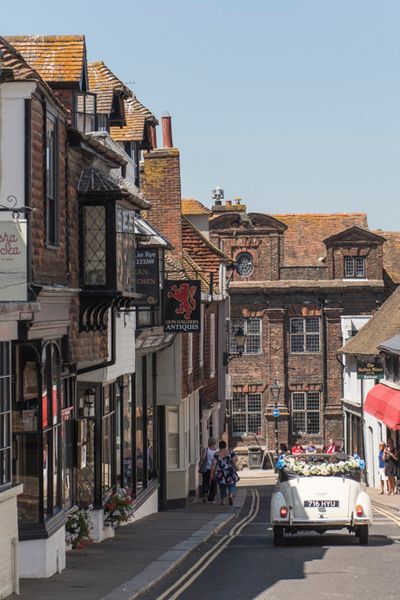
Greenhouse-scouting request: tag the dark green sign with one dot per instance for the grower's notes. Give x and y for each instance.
(370, 369)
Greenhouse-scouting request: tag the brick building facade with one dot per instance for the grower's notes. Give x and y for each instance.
(295, 277)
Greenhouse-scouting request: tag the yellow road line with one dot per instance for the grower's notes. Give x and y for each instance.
(212, 554)
(387, 514)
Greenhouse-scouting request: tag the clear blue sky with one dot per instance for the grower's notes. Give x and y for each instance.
(293, 105)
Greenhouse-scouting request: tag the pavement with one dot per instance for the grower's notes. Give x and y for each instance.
(140, 555)
(390, 502)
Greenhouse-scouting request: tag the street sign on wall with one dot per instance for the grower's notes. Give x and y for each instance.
(182, 301)
(147, 276)
(370, 369)
(13, 261)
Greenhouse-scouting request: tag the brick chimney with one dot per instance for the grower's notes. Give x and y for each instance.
(167, 131)
(162, 188)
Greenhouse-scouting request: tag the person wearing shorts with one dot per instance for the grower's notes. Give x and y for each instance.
(381, 461)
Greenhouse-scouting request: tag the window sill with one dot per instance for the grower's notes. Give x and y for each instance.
(52, 247)
(7, 493)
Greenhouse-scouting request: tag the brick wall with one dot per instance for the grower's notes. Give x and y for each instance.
(161, 185)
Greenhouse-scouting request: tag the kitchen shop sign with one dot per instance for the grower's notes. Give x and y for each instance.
(182, 300)
(13, 261)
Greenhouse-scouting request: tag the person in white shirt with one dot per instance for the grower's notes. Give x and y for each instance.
(208, 488)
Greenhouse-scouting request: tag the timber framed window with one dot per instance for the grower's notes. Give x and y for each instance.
(306, 412)
(246, 414)
(52, 199)
(85, 113)
(305, 334)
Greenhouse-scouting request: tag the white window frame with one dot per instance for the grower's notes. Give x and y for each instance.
(212, 345)
(173, 419)
(306, 411)
(305, 334)
(246, 397)
(350, 267)
(190, 352)
(244, 324)
(201, 340)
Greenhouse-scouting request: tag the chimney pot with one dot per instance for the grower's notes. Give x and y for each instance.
(166, 131)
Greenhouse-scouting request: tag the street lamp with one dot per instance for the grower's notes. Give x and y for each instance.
(240, 340)
(275, 389)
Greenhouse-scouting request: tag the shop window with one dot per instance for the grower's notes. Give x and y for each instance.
(5, 414)
(305, 334)
(37, 432)
(173, 438)
(306, 412)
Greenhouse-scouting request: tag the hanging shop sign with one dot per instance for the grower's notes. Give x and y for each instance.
(147, 277)
(13, 261)
(182, 301)
(370, 369)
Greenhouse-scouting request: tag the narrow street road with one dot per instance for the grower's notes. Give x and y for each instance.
(242, 563)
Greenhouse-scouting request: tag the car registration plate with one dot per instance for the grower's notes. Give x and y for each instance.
(321, 503)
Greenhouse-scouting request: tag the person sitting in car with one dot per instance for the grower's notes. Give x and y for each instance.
(297, 448)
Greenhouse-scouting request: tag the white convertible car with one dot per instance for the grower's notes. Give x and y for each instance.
(320, 492)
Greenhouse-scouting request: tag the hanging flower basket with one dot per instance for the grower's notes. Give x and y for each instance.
(78, 528)
(118, 508)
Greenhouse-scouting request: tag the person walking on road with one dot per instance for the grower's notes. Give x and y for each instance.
(208, 487)
(391, 465)
(224, 472)
(381, 461)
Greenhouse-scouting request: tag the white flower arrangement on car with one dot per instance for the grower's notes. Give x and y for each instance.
(307, 469)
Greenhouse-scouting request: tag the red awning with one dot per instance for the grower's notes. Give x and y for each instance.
(383, 403)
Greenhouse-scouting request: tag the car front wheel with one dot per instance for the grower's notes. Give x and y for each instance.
(278, 535)
(363, 535)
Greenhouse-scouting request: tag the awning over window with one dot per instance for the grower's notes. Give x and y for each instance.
(383, 403)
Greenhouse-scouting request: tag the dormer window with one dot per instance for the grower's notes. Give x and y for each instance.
(85, 112)
(354, 267)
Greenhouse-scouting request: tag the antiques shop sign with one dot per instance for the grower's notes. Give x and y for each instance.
(182, 300)
(147, 276)
(369, 369)
(13, 261)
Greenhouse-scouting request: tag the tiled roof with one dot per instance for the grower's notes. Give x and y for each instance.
(194, 271)
(173, 270)
(22, 71)
(303, 239)
(55, 57)
(201, 250)
(136, 115)
(391, 254)
(105, 84)
(384, 324)
(190, 206)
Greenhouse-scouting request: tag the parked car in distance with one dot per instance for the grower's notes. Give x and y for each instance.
(320, 492)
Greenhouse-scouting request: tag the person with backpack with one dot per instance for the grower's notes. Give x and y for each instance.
(224, 472)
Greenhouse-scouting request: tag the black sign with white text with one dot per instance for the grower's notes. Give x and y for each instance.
(147, 276)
